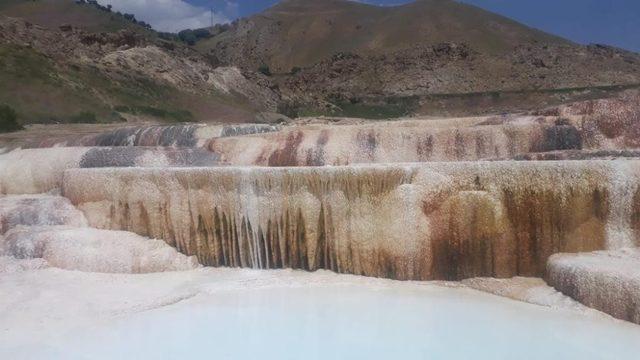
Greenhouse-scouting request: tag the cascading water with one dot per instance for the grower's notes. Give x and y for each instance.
(623, 191)
(436, 221)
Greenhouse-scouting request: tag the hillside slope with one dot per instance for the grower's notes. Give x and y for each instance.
(67, 73)
(54, 13)
(328, 55)
(301, 32)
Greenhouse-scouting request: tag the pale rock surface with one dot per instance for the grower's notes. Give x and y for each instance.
(32, 210)
(605, 280)
(40, 170)
(230, 80)
(92, 250)
(28, 172)
(9, 264)
(530, 290)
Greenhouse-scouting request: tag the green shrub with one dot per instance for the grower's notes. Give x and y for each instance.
(191, 37)
(201, 33)
(84, 117)
(177, 115)
(264, 69)
(8, 119)
(188, 37)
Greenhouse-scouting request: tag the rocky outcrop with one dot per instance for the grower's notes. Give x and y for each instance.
(530, 290)
(36, 171)
(606, 280)
(420, 221)
(612, 121)
(131, 72)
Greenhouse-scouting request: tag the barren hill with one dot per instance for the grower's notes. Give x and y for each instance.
(334, 54)
(53, 13)
(61, 61)
(82, 63)
(301, 32)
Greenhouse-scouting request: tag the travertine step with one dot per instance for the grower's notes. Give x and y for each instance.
(33, 171)
(605, 280)
(180, 135)
(402, 221)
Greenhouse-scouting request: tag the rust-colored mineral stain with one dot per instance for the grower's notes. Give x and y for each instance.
(466, 237)
(635, 216)
(425, 148)
(286, 155)
(316, 155)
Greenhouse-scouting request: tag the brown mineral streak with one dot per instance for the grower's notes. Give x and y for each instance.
(403, 221)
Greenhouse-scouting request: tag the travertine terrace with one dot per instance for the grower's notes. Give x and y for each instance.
(404, 221)
(411, 199)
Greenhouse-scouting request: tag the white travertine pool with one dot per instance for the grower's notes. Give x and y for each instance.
(349, 322)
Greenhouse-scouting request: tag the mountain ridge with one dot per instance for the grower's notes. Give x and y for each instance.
(299, 57)
(298, 33)
(330, 55)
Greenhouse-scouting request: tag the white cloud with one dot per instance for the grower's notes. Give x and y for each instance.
(170, 15)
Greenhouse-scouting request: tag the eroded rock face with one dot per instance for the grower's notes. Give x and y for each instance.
(38, 231)
(426, 221)
(605, 280)
(614, 122)
(127, 57)
(530, 290)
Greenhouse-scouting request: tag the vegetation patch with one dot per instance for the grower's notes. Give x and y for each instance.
(178, 115)
(8, 119)
(390, 107)
(265, 70)
(85, 117)
(24, 64)
(369, 108)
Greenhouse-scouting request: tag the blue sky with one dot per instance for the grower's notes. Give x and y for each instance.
(614, 22)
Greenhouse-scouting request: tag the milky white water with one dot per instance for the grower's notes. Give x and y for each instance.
(349, 322)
